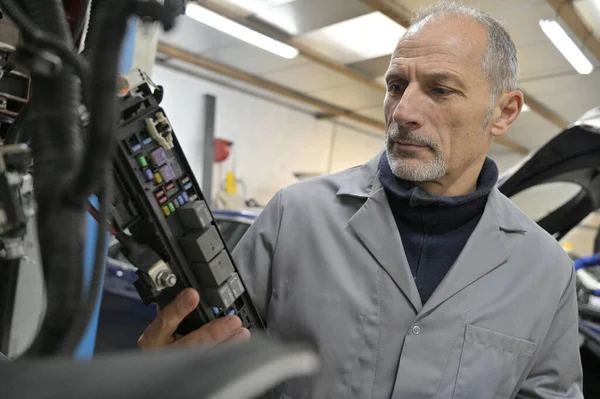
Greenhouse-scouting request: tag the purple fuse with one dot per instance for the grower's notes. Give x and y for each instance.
(148, 174)
(158, 157)
(167, 173)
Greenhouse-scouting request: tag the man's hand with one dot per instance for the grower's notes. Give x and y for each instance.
(160, 332)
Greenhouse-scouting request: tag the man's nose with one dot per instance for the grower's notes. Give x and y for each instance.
(408, 112)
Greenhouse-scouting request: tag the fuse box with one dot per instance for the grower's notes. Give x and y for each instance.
(161, 204)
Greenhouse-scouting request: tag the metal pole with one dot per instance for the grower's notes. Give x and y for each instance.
(209, 146)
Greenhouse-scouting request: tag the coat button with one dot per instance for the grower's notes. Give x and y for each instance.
(416, 330)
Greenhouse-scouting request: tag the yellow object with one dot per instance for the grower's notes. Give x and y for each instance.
(567, 246)
(230, 183)
(158, 178)
(166, 211)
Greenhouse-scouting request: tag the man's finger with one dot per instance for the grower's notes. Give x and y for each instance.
(214, 332)
(160, 331)
(241, 335)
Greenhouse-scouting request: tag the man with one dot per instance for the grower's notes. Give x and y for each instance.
(412, 274)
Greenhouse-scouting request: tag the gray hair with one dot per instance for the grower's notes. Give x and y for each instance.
(500, 64)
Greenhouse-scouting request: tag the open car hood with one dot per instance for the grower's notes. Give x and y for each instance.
(572, 156)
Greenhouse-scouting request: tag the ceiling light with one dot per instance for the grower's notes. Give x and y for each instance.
(566, 46)
(362, 38)
(238, 31)
(525, 108)
(256, 6)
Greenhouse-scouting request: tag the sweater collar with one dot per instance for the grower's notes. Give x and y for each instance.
(415, 197)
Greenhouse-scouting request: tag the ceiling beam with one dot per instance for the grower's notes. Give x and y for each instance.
(237, 74)
(398, 13)
(242, 17)
(569, 14)
(391, 9)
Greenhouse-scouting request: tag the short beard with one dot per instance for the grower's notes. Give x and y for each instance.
(408, 168)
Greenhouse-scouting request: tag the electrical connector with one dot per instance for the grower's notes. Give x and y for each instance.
(140, 255)
(155, 274)
(160, 130)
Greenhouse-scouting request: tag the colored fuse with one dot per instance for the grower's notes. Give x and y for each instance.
(188, 186)
(193, 197)
(158, 156)
(176, 203)
(148, 174)
(180, 199)
(215, 310)
(136, 147)
(141, 160)
(166, 211)
(147, 140)
(170, 186)
(185, 180)
(230, 312)
(171, 207)
(185, 197)
(162, 200)
(159, 194)
(158, 178)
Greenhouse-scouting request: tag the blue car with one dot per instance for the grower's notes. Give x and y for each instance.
(123, 315)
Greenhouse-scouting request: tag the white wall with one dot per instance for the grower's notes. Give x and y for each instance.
(272, 141)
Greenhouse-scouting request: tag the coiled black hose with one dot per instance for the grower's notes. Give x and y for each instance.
(56, 147)
(92, 28)
(112, 20)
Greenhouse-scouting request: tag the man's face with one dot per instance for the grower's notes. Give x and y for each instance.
(437, 100)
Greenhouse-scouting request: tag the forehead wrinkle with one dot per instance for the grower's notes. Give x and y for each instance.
(430, 64)
(413, 48)
(454, 57)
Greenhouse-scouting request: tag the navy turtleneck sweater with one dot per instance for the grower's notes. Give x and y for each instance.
(434, 229)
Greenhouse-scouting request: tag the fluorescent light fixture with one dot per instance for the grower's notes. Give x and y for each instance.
(238, 31)
(362, 38)
(566, 46)
(525, 108)
(256, 6)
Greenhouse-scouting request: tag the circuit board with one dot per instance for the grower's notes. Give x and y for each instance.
(158, 200)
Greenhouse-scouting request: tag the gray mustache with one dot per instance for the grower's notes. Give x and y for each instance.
(411, 137)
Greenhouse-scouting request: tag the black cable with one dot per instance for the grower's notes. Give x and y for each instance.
(18, 131)
(36, 35)
(83, 316)
(9, 275)
(93, 22)
(56, 145)
(108, 36)
(78, 30)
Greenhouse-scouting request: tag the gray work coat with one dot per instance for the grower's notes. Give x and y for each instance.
(324, 262)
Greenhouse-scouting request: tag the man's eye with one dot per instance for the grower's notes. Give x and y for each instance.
(442, 91)
(395, 88)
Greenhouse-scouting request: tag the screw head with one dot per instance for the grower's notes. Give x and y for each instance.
(166, 279)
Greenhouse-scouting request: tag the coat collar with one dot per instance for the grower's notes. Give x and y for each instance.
(363, 182)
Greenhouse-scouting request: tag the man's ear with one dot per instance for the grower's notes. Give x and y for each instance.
(508, 108)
